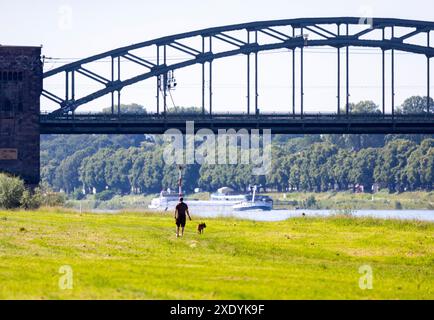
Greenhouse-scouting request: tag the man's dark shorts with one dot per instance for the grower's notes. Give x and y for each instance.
(180, 222)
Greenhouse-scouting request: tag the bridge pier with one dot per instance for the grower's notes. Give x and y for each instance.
(20, 90)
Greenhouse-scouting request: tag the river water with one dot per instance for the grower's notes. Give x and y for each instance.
(281, 215)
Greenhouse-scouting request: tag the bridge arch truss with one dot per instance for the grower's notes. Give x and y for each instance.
(243, 39)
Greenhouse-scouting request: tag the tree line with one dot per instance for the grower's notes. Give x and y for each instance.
(134, 163)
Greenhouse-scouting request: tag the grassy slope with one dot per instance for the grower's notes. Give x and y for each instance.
(136, 256)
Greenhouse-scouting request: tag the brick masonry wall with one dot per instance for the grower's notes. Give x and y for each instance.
(20, 90)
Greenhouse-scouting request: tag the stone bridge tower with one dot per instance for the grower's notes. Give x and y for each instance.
(20, 90)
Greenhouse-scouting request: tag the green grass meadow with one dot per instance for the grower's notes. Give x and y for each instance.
(137, 256)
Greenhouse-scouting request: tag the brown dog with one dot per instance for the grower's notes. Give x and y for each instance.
(201, 227)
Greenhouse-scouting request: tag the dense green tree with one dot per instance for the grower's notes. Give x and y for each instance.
(190, 177)
(365, 107)
(93, 171)
(392, 160)
(278, 177)
(363, 166)
(117, 170)
(149, 178)
(317, 166)
(340, 169)
(415, 105)
(67, 173)
(11, 191)
(420, 166)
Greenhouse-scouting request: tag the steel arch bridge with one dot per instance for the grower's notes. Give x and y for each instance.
(246, 39)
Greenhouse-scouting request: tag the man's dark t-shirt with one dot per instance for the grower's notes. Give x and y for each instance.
(181, 216)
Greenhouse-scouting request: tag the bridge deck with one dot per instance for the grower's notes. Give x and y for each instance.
(278, 123)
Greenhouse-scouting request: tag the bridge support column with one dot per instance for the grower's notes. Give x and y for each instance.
(73, 90)
(347, 104)
(293, 76)
(428, 78)
(256, 78)
(248, 83)
(339, 74)
(119, 91)
(210, 79)
(158, 81)
(393, 76)
(20, 90)
(203, 78)
(113, 80)
(301, 77)
(248, 75)
(384, 75)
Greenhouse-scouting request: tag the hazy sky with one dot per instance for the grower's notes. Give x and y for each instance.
(96, 26)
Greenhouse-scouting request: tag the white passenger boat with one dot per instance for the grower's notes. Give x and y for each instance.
(224, 197)
(166, 200)
(227, 195)
(254, 202)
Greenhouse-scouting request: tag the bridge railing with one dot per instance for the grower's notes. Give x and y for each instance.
(233, 116)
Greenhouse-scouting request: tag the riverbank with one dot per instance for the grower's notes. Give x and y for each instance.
(289, 201)
(134, 255)
(384, 200)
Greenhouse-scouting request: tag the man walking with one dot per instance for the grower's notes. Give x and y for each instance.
(180, 216)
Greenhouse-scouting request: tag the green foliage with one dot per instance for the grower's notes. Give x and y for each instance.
(11, 191)
(415, 105)
(391, 164)
(398, 205)
(310, 203)
(105, 195)
(185, 110)
(31, 200)
(130, 109)
(13, 194)
(66, 176)
(364, 107)
(77, 195)
(321, 166)
(52, 199)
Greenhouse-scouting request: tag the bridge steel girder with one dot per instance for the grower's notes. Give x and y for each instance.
(199, 56)
(280, 124)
